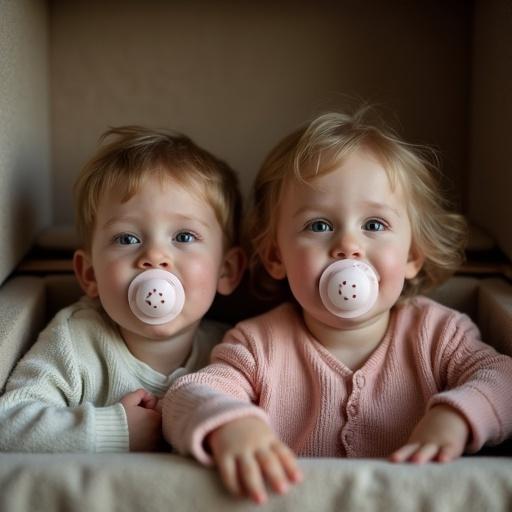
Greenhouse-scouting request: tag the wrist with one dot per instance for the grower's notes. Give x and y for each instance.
(456, 418)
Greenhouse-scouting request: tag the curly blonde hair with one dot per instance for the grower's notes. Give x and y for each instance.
(317, 149)
(135, 153)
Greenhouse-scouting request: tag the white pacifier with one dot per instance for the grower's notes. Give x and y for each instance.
(349, 288)
(156, 296)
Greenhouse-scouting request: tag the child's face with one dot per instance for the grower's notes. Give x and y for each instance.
(351, 212)
(162, 226)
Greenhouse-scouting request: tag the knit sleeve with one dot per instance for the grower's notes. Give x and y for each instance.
(41, 409)
(477, 382)
(225, 390)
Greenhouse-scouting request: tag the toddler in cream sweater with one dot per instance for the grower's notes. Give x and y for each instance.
(158, 217)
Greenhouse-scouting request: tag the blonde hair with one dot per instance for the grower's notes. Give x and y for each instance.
(317, 149)
(137, 153)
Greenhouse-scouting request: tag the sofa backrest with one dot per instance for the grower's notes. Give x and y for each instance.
(28, 303)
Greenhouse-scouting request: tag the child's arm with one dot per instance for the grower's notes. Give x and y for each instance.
(441, 435)
(200, 402)
(47, 405)
(473, 407)
(247, 454)
(213, 415)
(41, 410)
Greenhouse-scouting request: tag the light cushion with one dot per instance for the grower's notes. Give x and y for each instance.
(157, 482)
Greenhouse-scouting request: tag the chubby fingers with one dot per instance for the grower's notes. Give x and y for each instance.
(242, 476)
(246, 474)
(251, 476)
(135, 397)
(289, 463)
(404, 453)
(273, 470)
(228, 470)
(150, 401)
(419, 453)
(448, 452)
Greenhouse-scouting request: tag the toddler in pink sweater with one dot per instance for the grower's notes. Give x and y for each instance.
(358, 364)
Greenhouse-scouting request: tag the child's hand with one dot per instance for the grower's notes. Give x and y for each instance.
(247, 453)
(144, 421)
(441, 435)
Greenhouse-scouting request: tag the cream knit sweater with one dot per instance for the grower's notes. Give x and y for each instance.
(64, 394)
(320, 408)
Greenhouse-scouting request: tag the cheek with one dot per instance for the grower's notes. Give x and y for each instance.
(299, 261)
(303, 269)
(109, 265)
(392, 262)
(391, 266)
(111, 276)
(113, 293)
(113, 282)
(200, 275)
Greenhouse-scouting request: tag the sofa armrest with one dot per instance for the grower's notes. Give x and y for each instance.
(495, 314)
(22, 316)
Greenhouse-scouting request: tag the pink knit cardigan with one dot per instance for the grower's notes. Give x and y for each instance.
(429, 355)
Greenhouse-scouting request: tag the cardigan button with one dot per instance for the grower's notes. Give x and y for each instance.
(360, 381)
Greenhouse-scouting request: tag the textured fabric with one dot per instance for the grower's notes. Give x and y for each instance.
(429, 355)
(22, 306)
(133, 482)
(64, 394)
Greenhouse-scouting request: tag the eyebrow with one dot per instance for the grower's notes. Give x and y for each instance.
(382, 206)
(133, 219)
(301, 210)
(371, 204)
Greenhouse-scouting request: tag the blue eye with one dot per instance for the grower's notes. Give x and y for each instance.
(185, 237)
(374, 225)
(126, 239)
(319, 226)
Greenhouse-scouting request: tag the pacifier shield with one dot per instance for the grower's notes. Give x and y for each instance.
(349, 288)
(156, 296)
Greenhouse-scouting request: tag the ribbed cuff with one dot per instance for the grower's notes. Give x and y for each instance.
(483, 420)
(111, 429)
(192, 411)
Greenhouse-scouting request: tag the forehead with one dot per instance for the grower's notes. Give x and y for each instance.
(156, 194)
(358, 176)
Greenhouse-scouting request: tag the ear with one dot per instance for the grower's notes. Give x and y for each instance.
(232, 270)
(271, 258)
(414, 263)
(84, 273)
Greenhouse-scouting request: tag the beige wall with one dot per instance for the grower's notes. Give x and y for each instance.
(24, 128)
(490, 195)
(237, 76)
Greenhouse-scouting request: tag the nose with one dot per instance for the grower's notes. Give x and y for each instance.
(154, 257)
(346, 245)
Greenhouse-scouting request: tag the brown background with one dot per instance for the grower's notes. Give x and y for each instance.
(236, 76)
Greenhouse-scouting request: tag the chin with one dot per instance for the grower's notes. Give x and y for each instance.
(338, 322)
(163, 331)
(154, 332)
